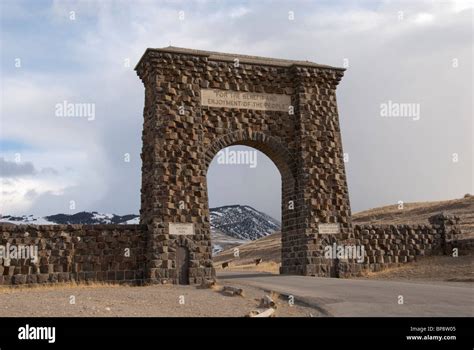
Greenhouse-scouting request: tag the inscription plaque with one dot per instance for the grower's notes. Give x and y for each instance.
(181, 229)
(245, 100)
(328, 229)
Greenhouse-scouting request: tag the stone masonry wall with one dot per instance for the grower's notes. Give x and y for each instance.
(388, 246)
(108, 253)
(116, 253)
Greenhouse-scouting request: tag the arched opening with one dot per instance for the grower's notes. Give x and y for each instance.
(250, 187)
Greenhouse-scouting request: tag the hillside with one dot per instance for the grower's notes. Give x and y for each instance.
(268, 248)
(419, 212)
(243, 222)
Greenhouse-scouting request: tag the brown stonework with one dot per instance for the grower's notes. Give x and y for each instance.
(181, 136)
(108, 253)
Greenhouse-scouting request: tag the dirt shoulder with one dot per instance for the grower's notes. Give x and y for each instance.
(149, 301)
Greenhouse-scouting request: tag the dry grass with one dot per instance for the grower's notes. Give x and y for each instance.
(270, 266)
(5, 289)
(431, 268)
(267, 248)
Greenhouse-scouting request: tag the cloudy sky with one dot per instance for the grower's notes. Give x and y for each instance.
(417, 53)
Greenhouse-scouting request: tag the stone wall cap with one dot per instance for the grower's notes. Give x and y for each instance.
(229, 57)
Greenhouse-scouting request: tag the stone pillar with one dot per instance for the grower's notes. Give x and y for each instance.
(446, 225)
(173, 168)
(322, 192)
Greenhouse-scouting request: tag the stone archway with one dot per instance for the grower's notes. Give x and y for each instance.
(198, 102)
(284, 162)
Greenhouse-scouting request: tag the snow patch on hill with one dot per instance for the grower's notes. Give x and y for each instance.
(243, 222)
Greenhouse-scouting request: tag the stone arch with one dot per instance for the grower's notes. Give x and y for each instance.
(198, 102)
(266, 144)
(285, 163)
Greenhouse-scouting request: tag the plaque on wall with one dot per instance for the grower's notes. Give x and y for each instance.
(245, 100)
(181, 229)
(329, 229)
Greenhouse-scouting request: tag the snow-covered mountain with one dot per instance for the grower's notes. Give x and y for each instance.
(84, 217)
(243, 222)
(25, 220)
(238, 222)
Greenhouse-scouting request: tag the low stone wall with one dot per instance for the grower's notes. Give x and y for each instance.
(109, 253)
(388, 246)
(105, 253)
(131, 254)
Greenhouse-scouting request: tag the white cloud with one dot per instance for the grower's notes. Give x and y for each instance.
(423, 18)
(15, 198)
(239, 12)
(462, 5)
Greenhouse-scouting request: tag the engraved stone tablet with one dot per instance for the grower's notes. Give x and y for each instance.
(329, 229)
(245, 100)
(181, 229)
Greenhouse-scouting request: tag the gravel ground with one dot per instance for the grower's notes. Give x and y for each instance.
(113, 300)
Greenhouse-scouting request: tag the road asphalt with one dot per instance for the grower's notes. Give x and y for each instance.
(361, 298)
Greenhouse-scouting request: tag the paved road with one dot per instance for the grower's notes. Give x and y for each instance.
(344, 297)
